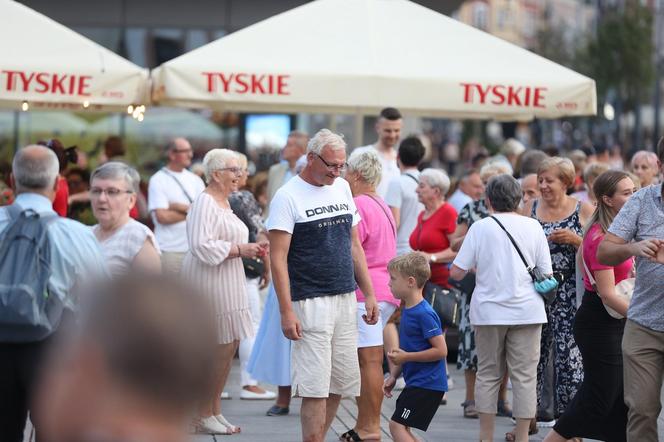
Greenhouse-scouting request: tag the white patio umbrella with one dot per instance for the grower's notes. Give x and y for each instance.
(160, 125)
(358, 56)
(52, 124)
(48, 66)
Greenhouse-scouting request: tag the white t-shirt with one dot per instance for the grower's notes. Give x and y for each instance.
(390, 169)
(162, 191)
(505, 294)
(458, 200)
(320, 219)
(401, 194)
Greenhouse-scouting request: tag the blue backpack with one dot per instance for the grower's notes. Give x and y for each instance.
(28, 312)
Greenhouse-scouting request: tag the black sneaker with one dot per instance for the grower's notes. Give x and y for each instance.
(276, 410)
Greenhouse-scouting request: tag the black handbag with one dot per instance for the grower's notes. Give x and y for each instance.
(464, 285)
(445, 302)
(253, 267)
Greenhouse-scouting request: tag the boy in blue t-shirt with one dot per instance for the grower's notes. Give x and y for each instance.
(422, 352)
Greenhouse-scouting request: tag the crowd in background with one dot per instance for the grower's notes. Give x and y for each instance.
(579, 218)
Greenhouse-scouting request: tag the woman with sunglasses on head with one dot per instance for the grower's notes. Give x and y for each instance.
(126, 243)
(218, 240)
(598, 409)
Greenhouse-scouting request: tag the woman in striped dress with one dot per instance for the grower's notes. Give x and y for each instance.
(217, 240)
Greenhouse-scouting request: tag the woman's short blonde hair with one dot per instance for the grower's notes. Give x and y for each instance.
(493, 169)
(436, 178)
(367, 165)
(217, 159)
(566, 172)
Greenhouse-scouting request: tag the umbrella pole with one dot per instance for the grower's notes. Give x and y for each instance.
(17, 142)
(359, 128)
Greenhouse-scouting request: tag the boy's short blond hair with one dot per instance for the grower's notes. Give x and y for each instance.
(412, 264)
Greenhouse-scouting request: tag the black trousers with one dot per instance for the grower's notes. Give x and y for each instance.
(19, 365)
(598, 409)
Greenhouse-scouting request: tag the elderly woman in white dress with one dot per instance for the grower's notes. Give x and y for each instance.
(126, 243)
(217, 241)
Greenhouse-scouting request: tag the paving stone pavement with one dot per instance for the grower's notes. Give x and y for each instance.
(447, 425)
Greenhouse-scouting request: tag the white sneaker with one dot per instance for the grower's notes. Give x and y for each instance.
(226, 395)
(210, 425)
(546, 424)
(253, 396)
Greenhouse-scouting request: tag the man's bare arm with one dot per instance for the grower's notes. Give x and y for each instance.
(279, 246)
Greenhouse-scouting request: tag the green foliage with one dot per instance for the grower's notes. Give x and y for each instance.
(620, 56)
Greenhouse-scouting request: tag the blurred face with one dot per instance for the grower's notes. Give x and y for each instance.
(327, 166)
(624, 190)
(400, 286)
(242, 179)
(292, 151)
(181, 156)
(550, 185)
(472, 186)
(229, 176)
(111, 201)
(530, 188)
(388, 131)
(426, 194)
(645, 172)
(351, 177)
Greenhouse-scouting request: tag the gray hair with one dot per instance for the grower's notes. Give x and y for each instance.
(512, 146)
(436, 178)
(117, 170)
(326, 138)
(367, 165)
(493, 169)
(217, 159)
(504, 193)
(35, 168)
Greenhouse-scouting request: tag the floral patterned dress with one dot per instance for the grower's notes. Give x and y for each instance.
(466, 355)
(567, 362)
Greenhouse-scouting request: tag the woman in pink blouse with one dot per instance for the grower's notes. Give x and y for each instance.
(217, 242)
(377, 232)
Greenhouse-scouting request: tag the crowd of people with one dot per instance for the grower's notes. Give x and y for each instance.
(349, 246)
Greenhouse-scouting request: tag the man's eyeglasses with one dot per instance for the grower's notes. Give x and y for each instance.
(235, 170)
(333, 167)
(111, 192)
(182, 150)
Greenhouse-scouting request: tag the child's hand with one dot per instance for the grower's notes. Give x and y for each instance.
(388, 385)
(397, 356)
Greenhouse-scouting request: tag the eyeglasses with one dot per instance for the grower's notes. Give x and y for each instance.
(111, 192)
(182, 150)
(235, 170)
(333, 167)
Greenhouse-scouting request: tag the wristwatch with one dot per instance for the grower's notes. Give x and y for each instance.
(432, 258)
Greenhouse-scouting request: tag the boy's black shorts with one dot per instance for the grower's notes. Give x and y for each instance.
(417, 406)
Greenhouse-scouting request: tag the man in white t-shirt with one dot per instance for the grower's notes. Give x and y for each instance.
(170, 193)
(401, 196)
(316, 258)
(388, 128)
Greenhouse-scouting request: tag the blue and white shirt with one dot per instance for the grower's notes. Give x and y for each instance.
(320, 219)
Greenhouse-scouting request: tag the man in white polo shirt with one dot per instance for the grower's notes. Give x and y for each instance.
(170, 193)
